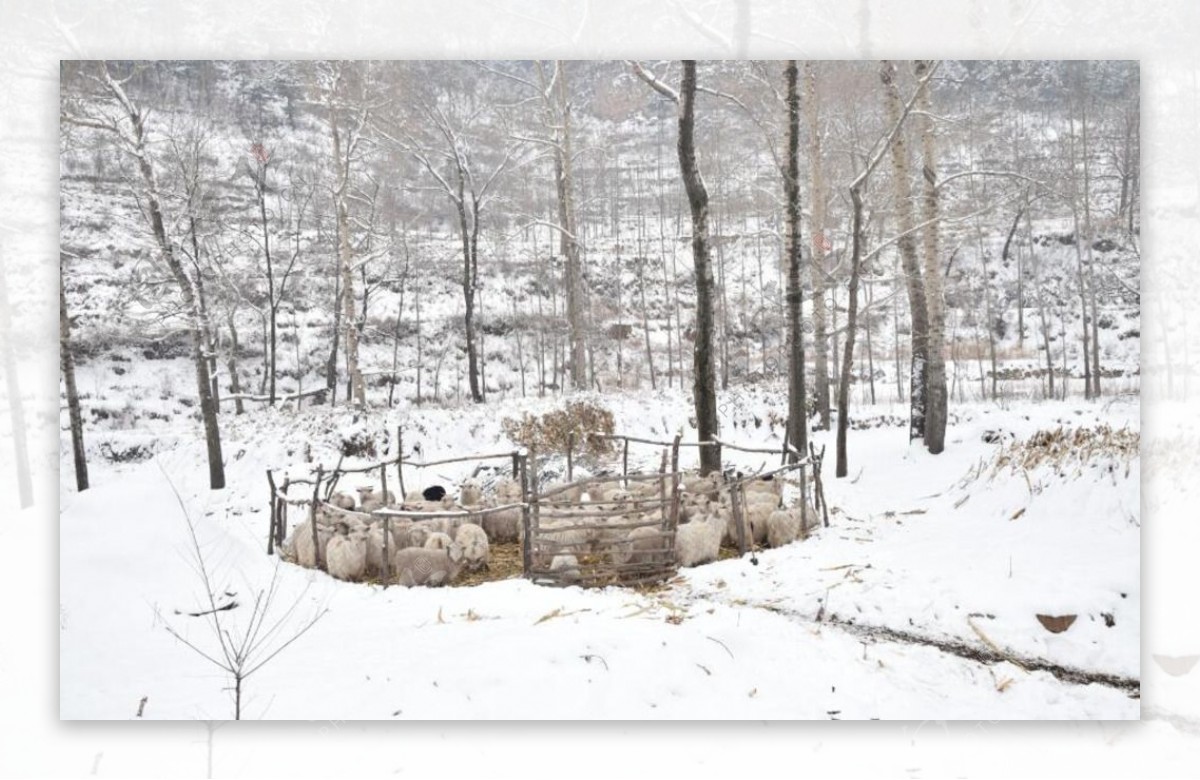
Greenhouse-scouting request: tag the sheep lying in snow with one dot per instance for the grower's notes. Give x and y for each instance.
(420, 566)
(346, 556)
(699, 541)
(474, 543)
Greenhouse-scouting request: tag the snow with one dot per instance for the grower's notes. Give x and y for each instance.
(730, 640)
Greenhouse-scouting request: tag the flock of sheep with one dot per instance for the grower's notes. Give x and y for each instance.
(434, 551)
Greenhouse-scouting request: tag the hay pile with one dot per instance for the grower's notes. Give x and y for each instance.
(1069, 451)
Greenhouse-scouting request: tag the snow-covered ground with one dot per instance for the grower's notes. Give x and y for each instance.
(928, 562)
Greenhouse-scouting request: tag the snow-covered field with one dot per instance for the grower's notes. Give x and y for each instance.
(931, 566)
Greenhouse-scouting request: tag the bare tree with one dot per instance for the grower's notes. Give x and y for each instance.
(935, 376)
(110, 110)
(797, 411)
(818, 197)
(241, 649)
(67, 365)
(704, 381)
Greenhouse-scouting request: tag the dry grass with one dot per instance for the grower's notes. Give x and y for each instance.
(1062, 448)
(504, 564)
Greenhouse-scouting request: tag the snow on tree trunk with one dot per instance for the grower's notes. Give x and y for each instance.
(935, 378)
(908, 253)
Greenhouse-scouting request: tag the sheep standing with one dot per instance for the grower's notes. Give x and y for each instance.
(346, 556)
(302, 543)
(699, 541)
(503, 527)
(375, 545)
(474, 543)
(470, 493)
(643, 545)
(342, 501)
(783, 526)
(420, 566)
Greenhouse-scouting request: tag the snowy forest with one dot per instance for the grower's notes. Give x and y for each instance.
(542, 298)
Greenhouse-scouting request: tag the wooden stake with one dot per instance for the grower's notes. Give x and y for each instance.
(570, 450)
(272, 532)
(400, 461)
(312, 520)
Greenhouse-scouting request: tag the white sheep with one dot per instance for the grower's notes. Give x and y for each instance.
(420, 566)
(699, 541)
(302, 543)
(755, 517)
(708, 485)
(566, 566)
(438, 541)
(474, 543)
(783, 526)
(342, 500)
(369, 500)
(643, 545)
(375, 537)
(470, 493)
(507, 491)
(346, 556)
(505, 526)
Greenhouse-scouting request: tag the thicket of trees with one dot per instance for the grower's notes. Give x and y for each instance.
(319, 218)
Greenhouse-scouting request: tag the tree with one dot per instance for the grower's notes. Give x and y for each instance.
(797, 411)
(917, 305)
(935, 376)
(818, 196)
(110, 110)
(704, 382)
(67, 365)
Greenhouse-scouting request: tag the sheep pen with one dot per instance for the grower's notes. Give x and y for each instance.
(624, 529)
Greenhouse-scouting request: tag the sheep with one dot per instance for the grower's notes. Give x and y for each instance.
(692, 507)
(571, 494)
(420, 566)
(418, 534)
(783, 526)
(434, 493)
(708, 485)
(342, 500)
(507, 491)
(346, 556)
(643, 545)
(755, 516)
(699, 541)
(369, 500)
(303, 543)
(768, 485)
(438, 541)
(474, 542)
(504, 526)
(566, 566)
(375, 546)
(470, 493)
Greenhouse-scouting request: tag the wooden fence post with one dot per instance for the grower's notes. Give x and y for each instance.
(625, 464)
(675, 483)
(272, 531)
(527, 540)
(786, 430)
(400, 461)
(570, 450)
(312, 519)
(387, 550)
(739, 518)
(281, 516)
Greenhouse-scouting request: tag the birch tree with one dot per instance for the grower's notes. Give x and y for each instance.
(109, 109)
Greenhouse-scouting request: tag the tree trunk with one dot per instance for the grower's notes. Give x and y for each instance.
(818, 198)
(187, 288)
(567, 236)
(331, 364)
(67, 364)
(936, 400)
(797, 412)
(235, 384)
(704, 381)
(908, 255)
(843, 391)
